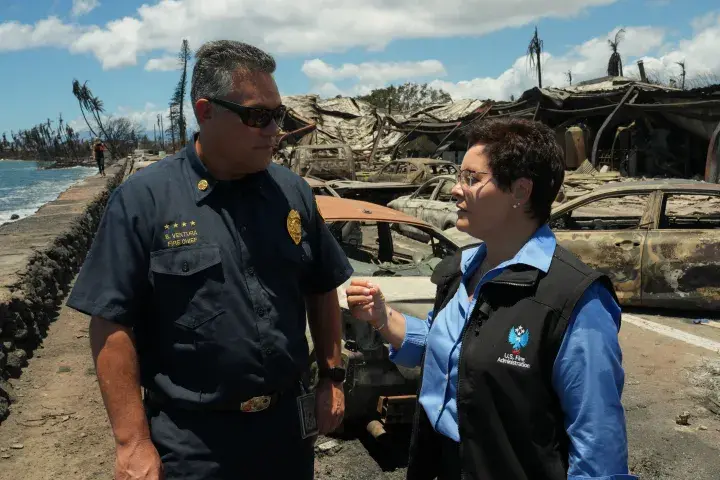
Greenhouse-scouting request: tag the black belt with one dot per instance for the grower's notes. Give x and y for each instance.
(250, 405)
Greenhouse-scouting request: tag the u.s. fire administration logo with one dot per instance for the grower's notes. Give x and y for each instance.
(518, 338)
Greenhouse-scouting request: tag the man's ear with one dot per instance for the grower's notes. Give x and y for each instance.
(203, 110)
(521, 191)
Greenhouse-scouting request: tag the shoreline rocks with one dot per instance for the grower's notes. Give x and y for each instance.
(39, 257)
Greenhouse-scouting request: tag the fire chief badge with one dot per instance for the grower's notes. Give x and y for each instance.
(294, 227)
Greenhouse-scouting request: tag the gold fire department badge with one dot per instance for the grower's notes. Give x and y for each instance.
(293, 226)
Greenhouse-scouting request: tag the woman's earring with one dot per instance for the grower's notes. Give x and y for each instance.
(516, 205)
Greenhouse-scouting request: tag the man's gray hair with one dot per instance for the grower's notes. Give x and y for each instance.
(217, 61)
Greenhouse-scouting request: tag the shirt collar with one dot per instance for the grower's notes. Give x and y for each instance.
(537, 253)
(203, 183)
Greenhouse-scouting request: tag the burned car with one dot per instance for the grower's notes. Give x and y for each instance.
(413, 170)
(326, 162)
(432, 202)
(658, 240)
(401, 263)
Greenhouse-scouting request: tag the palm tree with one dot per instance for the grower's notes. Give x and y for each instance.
(81, 93)
(568, 74)
(533, 53)
(683, 74)
(615, 68)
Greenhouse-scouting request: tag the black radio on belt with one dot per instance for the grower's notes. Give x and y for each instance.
(335, 374)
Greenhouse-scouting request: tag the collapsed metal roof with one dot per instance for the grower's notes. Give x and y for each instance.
(372, 134)
(357, 123)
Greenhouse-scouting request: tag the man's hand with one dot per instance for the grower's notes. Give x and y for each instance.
(329, 405)
(138, 461)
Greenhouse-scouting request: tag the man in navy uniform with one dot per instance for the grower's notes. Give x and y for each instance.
(198, 283)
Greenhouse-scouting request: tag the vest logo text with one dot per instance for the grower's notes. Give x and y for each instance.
(518, 338)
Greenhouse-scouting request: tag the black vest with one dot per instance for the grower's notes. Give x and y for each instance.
(511, 424)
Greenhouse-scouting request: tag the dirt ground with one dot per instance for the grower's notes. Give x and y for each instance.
(58, 428)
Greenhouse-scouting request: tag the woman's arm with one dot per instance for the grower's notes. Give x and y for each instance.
(588, 377)
(405, 334)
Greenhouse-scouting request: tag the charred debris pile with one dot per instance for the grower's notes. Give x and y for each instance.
(610, 128)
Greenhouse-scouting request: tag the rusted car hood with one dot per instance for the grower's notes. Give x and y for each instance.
(338, 209)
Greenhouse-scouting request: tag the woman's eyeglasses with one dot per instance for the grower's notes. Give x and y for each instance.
(469, 178)
(255, 117)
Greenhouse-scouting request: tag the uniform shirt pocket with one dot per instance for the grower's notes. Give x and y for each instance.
(187, 284)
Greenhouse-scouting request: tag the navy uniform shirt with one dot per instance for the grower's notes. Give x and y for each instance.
(211, 276)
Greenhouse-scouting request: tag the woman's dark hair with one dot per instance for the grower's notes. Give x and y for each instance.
(519, 148)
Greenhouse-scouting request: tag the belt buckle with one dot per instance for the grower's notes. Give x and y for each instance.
(256, 404)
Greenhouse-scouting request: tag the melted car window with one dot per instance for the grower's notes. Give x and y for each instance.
(691, 211)
(621, 212)
(382, 249)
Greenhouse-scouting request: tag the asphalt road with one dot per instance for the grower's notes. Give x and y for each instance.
(660, 384)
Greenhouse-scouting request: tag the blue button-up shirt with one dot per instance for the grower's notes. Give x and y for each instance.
(588, 376)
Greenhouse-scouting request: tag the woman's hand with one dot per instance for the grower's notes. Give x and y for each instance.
(367, 303)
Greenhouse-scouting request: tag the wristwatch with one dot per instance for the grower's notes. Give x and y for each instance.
(335, 374)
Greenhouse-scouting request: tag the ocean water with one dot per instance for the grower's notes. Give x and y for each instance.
(24, 187)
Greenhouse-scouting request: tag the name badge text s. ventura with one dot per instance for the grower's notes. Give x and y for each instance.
(179, 233)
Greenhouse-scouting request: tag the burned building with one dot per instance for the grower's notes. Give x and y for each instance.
(374, 136)
(636, 128)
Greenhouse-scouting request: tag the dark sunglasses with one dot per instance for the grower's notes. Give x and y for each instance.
(255, 117)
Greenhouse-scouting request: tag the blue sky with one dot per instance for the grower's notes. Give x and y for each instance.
(471, 48)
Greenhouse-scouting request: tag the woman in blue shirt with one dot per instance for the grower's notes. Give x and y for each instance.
(522, 372)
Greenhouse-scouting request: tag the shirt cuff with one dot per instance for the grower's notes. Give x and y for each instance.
(338, 277)
(620, 476)
(115, 314)
(413, 345)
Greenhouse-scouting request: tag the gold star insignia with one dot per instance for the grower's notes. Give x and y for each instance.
(167, 227)
(192, 224)
(184, 224)
(175, 225)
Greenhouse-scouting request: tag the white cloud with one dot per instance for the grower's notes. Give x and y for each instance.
(373, 72)
(368, 75)
(590, 59)
(586, 61)
(311, 26)
(83, 7)
(50, 32)
(162, 64)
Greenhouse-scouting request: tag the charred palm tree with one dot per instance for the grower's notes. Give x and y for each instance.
(534, 52)
(683, 74)
(178, 98)
(615, 68)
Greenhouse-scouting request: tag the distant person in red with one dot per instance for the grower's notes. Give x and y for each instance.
(99, 154)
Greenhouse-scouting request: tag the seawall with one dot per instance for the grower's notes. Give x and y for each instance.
(39, 257)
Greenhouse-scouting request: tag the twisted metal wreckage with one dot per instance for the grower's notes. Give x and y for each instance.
(634, 127)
